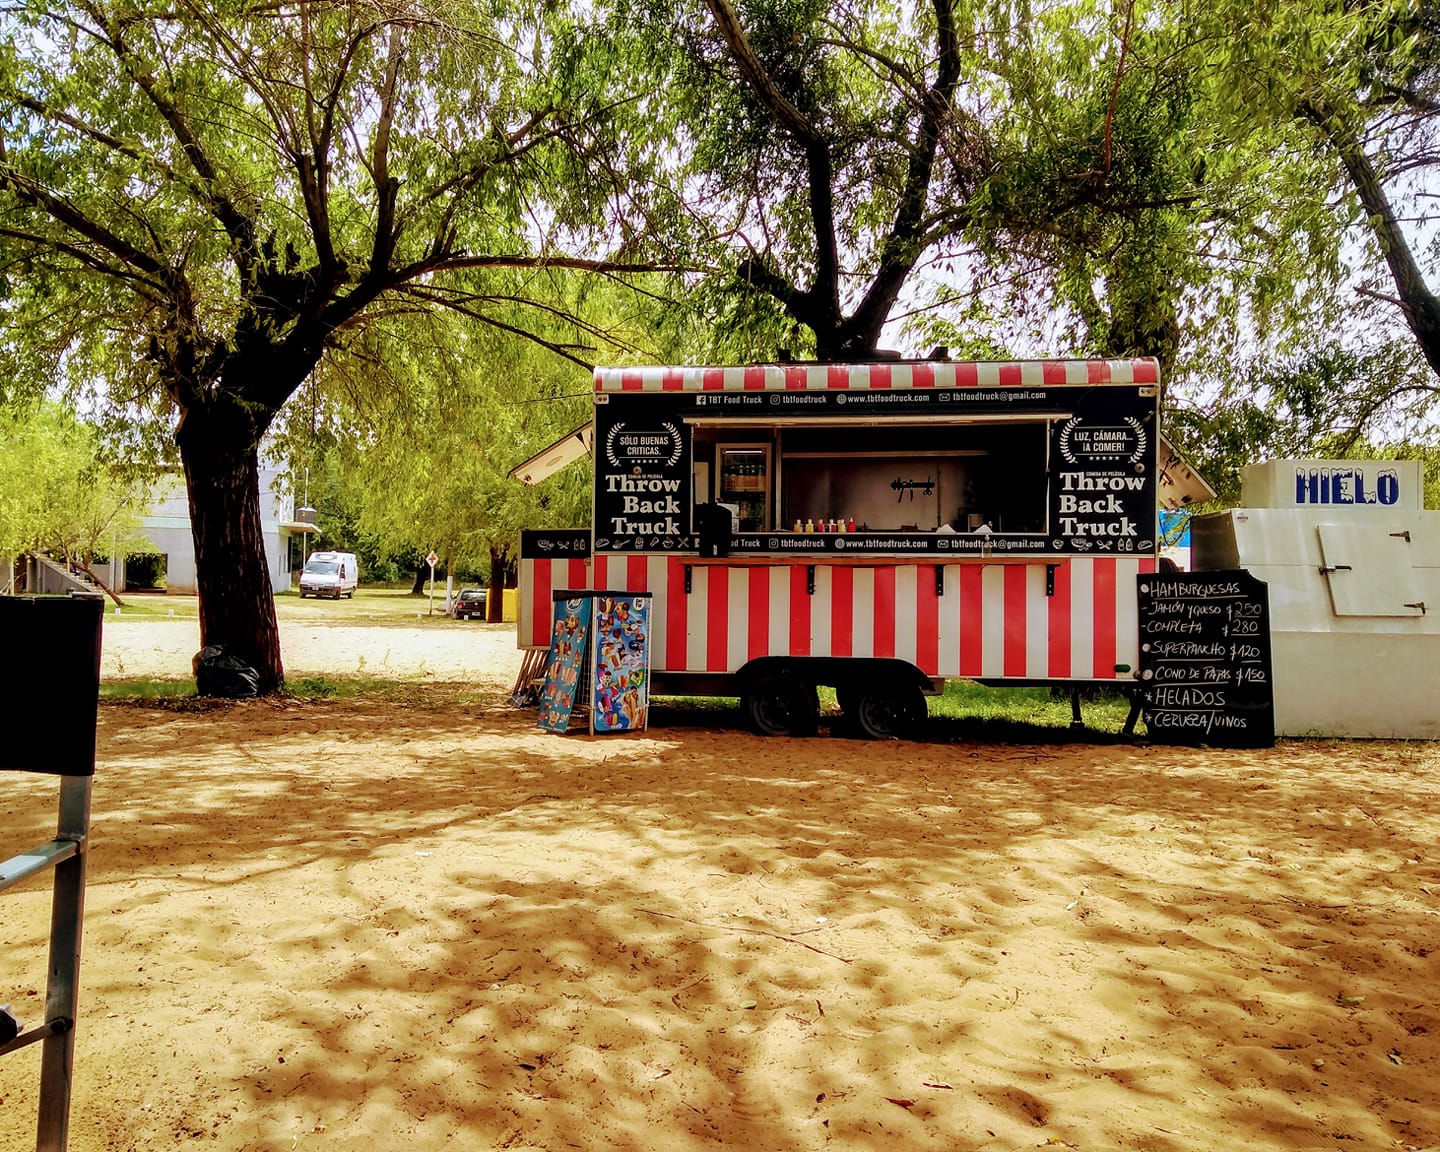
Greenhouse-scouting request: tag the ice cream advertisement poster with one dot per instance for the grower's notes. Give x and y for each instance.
(565, 664)
(621, 644)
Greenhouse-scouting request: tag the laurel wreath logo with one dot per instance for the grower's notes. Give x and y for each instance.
(1140, 438)
(1065, 431)
(668, 427)
(675, 439)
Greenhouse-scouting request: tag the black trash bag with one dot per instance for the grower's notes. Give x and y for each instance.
(217, 673)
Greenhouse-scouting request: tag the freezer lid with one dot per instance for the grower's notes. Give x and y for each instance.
(1370, 569)
(544, 464)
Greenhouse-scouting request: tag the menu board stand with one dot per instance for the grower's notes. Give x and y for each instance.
(599, 662)
(1205, 675)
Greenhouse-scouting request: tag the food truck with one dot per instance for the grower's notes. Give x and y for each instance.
(872, 527)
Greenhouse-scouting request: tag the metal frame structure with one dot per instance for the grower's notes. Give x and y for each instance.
(69, 665)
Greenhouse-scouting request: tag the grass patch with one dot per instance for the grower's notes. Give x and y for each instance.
(133, 690)
(964, 699)
(180, 696)
(151, 606)
(965, 712)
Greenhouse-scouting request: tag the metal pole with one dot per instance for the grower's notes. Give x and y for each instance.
(305, 536)
(62, 994)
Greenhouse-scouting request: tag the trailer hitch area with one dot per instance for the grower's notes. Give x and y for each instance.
(9, 1026)
(1420, 604)
(1326, 570)
(1405, 535)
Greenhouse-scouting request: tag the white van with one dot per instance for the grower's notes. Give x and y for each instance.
(332, 574)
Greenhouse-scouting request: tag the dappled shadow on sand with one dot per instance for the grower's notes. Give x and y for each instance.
(355, 925)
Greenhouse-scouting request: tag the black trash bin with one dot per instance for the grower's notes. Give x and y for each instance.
(49, 683)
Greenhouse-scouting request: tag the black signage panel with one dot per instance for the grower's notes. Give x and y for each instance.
(1102, 475)
(642, 476)
(49, 683)
(554, 543)
(1102, 478)
(1205, 658)
(884, 403)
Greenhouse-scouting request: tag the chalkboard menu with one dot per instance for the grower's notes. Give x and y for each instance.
(1205, 658)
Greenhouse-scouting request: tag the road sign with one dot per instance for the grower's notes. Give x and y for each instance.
(432, 559)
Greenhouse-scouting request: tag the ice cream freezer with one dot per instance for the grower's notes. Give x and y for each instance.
(1351, 558)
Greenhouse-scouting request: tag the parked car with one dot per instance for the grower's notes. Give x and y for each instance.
(469, 605)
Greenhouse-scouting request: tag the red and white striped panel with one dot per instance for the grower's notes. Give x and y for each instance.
(993, 621)
(535, 612)
(822, 377)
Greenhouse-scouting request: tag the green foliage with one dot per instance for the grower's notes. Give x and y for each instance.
(1330, 110)
(1325, 401)
(421, 431)
(201, 203)
(56, 494)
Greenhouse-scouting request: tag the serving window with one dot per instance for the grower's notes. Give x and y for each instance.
(878, 477)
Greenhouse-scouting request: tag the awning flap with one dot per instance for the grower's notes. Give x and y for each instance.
(1180, 485)
(566, 450)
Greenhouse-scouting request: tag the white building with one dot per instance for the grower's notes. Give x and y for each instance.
(167, 526)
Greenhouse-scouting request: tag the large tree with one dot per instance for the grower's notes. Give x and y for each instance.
(200, 202)
(1352, 93)
(988, 176)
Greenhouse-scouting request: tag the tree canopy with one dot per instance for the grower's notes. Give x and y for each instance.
(199, 202)
(205, 209)
(59, 496)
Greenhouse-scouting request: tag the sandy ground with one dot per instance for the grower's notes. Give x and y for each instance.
(343, 925)
(441, 650)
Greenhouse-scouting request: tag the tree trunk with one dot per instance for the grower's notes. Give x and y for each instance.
(222, 480)
(495, 589)
(94, 579)
(422, 573)
(1419, 306)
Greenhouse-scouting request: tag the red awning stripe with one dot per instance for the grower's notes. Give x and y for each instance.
(885, 374)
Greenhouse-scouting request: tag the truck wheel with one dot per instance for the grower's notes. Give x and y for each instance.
(781, 704)
(888, 711)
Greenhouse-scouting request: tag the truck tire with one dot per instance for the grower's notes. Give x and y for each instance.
(888, 711)
(781, 704)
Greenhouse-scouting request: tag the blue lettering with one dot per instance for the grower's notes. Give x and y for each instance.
(1345, 486)
(1389, 486)
(1340, 487)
